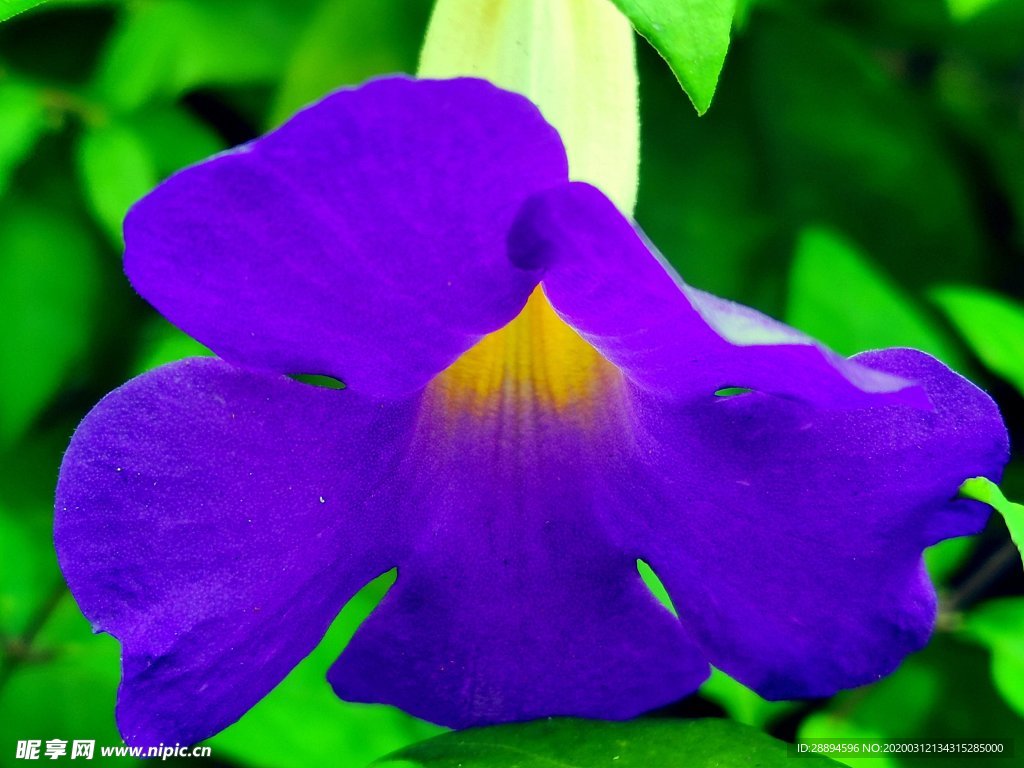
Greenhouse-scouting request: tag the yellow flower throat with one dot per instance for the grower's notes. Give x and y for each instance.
(535, 359)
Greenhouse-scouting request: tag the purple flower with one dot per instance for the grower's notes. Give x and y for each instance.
(530, 408)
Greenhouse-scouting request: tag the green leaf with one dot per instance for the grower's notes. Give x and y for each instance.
(999, 626)
(349, 42)
(570, 743)
(47, 295)
(691, 35)
(992, 325)
(302, 723)
(22, 120)
(9, 8)
(116, 169)
(839, 297)
(984, 490)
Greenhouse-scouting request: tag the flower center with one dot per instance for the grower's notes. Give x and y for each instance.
(534, 361)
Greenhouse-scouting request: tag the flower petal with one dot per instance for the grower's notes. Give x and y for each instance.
(787, 523)
(215, 521)
(365, 239)
(603, 279)
(790, 538)
(515, 604)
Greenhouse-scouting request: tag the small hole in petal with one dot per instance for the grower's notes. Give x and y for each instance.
(316, 380)
(654, 584)
(731, 391)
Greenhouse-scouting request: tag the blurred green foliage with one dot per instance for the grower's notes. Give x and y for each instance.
(941, 694)
(999, 626)
(860, 173)
(830, 275)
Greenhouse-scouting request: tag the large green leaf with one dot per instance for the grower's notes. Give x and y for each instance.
(22, 120)
(47, 296)
(302, 723)
(993, 325)
(692, 36)
(116, 169)
(570, 743)
(999, 626)
(10, 8)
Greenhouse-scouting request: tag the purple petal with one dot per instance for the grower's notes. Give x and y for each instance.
(787, 523)
(364, 239)
(215, 521)
(791, 537)
(516, 604)
(667, 337)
